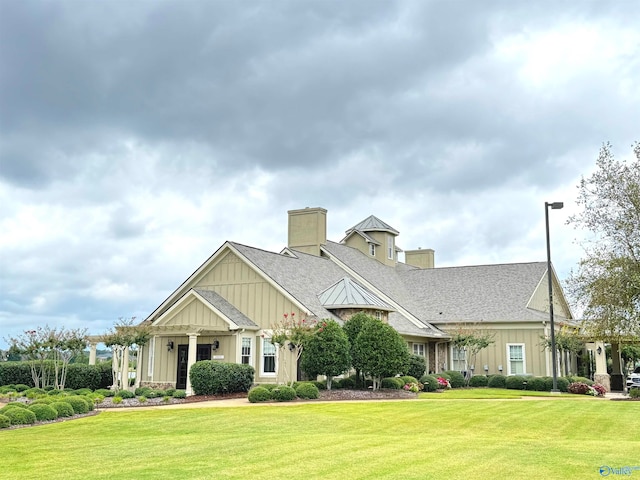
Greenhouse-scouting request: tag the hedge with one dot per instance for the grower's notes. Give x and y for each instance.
(20, 416)
(209, 377)
(43, 412)
(79, 375)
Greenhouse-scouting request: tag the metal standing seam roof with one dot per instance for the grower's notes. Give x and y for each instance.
(348, 294)
(372, 224)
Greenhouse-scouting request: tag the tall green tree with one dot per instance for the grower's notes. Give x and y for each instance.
(326, 352)
(352, 328)
(381, 351)
(606, 285)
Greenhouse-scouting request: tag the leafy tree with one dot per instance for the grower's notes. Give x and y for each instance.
(291, 332)
(607, 283)
(470, 341)
(380, 351)
(630, 356)
(352, 328)
(326, 352)
(124, 335)
(416, 366)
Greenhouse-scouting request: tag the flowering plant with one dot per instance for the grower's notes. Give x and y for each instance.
(413, 387)
(599, 389)
(443, 383)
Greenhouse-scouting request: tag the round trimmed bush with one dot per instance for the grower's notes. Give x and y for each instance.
(579, 388)
(64, 409)
(20, 416)
(307, 390)
(517, 382)
(416, 366)
(634, 393)
(392, 383)
(43, 412)
(142, 391)
(536, 384)
(408, 379)
(90, 401)
(479, 381)
(117, 400)
(34, 392)
(83, 391)
(79, 404)
(563, 384)
(346, 383)
(456, 379)
(126, 394)
(21, 387)
(283, 393)
(497, 381)
(179, 394)
(259, 394)
(44, 401)
(105, 392)
(142, 399)
(54, 393)
(320, 385)
(429, 382)
(4, 421)
(170, 391)
(11, 405)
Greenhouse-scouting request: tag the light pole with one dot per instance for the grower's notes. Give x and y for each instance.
(554, 206)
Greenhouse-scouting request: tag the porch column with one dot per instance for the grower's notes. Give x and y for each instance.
(191, 359)
(92, 353)
(617, 378)
(138, 366)
(601, 376)
(125, 369)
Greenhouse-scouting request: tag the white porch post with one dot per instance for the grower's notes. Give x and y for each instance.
(92, 353)
(601, 376)
(125, 369)
(191, 359)
(138, 366)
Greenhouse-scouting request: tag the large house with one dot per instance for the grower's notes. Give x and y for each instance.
(227, 308)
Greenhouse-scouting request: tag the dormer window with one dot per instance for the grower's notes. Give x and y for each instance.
(390, 247)
(372, 249)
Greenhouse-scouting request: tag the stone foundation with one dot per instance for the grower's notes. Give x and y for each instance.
(158, 385)
(603, 379)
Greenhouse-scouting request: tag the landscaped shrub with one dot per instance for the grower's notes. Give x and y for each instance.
(7, 389)
(496, 381)
(170, 391)
(392, 383)
(577, 379)
(307, 390)
(600, 390)
(259, 394)
(416, 367)
(479, 381)
(563, 384)
(346, 383)
(64, 409)
(179, 394)
(409, 379)
(105, 392)
(21, 387)
(117, 400)
(53, 393)
(20, 416)
(578, 388)
(83, 391)
(429, 383)
(209, 377)
(43, 412)
(517, 382)
(126, 394)
(12, 405)
(12, 373)
(142, 399)
(283, 393)
(142, 391)
(4, 421)
(81, 375)
(34, 392)
(46, 400)
(106, 374)
(634, 393)
(79, 404)
(456, 379)
(536, 384)
(320, 385)
(97, 398)
(89, 400)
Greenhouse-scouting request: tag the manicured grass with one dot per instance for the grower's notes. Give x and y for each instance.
(425, 439)
(495, 393)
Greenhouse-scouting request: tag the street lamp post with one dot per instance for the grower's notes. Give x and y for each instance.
(554, 206)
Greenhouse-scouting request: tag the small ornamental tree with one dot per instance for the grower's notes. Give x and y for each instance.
(470, 341)
(381, 351)
(326, 352)
(567, 340)
(290, 333)
(123, 336)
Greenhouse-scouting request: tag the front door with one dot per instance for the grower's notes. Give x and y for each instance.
(183, 364)
(203, 352)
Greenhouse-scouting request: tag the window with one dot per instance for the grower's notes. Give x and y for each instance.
(516, 356)
(268, 357)
(377, 314)
(372, 249)
(245, 351)
(418, 349)
(390, 247)
(457, 359)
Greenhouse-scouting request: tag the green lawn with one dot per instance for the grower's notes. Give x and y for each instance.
(495, 393)
(420, 439)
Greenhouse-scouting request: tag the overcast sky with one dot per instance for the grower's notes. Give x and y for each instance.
(137, 137)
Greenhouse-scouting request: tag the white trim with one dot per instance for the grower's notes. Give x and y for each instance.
(390, 246)
(424, 349)
(372, 249)
(251, 342)
(152, 348)
(524, 358)
(266, 335)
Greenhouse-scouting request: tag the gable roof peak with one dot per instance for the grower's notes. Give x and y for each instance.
(372, 224)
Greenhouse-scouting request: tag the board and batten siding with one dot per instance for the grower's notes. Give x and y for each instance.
(248, 291)
(496, 354)
(540, 299)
